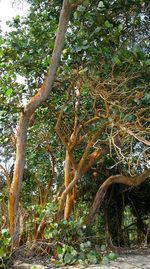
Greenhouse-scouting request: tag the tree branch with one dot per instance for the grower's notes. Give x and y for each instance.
(129, 181)
(5, 173)
(141, 139)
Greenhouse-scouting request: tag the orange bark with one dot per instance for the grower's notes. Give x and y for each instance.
(23, 124)
(84, 164)
(67, 180)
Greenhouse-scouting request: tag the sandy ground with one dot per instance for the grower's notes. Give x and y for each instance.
(139, 259)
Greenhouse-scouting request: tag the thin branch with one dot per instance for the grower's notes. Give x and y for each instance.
(90, 144)
(40, 190)
(5, 173)
(50, 180)
(141, 139)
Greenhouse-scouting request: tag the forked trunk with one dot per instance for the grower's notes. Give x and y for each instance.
(85, 163)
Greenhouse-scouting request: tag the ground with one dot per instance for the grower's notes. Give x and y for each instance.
(131, 259)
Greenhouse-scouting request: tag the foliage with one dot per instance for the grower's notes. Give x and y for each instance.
(4, 247)
(73, 246)
(109, 257)
(106, 56)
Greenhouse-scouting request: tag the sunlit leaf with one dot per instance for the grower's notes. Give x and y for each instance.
(100, 4)
(9, 92)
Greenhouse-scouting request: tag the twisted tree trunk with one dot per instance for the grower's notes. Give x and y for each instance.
(129, 181)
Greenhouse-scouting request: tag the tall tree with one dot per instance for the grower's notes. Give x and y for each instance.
(25, 118)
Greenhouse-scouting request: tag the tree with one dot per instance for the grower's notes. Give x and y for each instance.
(26, 114)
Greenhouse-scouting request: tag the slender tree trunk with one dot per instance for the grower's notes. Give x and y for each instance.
(83, 166)
(67, 191)
(130, 181)
(67, 180)
(23, 124)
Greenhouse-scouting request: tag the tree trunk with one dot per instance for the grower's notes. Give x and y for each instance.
(130, 181)
(66, 192)
(23, 124)
(107, 232)
(67, 180)
(83, 166)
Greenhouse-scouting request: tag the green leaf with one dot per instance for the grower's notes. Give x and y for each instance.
(110, 119)
(82, 247)
(81, 8)
(101, 4)
(65, 51)
(4, 232)
(103, 247)
(112, 256)
(146, 98)
(75, 15)
(105, 260)
(68, 258)
(17, 17)
(98, 29)
(74, 253)
(6, 241)
(59, 250)
(78, 48)
(129, 117)
(137, 101)
(86, 2)
(1, 52)
(108, 24)
(116, 60)
(9, 92)
(88, 243)
(92, 258)
(120, 27)
(2, 253)
(85, 42)
(147, 62)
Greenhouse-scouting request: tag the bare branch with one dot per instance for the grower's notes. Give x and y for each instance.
(128, 131)
(6, 174)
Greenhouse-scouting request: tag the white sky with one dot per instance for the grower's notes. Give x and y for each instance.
(8, 11)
